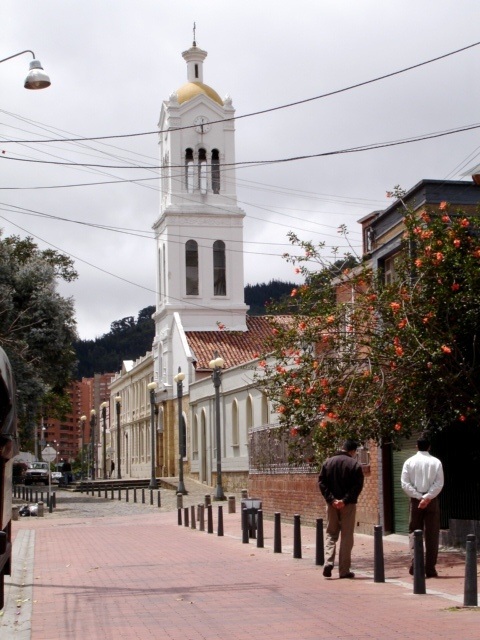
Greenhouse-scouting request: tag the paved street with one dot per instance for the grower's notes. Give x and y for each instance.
(105, 569)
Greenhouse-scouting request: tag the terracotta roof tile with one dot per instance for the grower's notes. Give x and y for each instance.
(235, 347)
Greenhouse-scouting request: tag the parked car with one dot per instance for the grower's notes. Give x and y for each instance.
(37, 472)
(57, 477)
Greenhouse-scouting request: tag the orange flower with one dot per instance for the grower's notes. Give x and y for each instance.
(446, 219)
(262, 363)
(302, 326)
(293, 431)
(464, 222)
(341, 391)
(398, 426)
(402, 324)
(297, 270)
(395, 307)
(439, 256)
(462, 418)
(446, 349)
(442, 206)
(424, 216)
(293, 293)
(322, 408)
(457, 243)
(296, 401)
(399, 351)
(455, 286)
(281, 409)
(418, 263)
(330, 319)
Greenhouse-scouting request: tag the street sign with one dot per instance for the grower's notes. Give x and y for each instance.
(49, 454)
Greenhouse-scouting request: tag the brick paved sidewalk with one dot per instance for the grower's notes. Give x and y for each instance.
(137, 574)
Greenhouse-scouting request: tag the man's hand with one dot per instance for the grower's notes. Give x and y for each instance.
(424, 502)
(338, 504)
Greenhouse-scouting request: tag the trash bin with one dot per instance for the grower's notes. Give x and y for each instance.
(250, 508)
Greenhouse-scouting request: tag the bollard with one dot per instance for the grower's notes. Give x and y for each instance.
(151, 496)
(135, 494)
(54, 500)
(220, 521)
(297, 537)
(159, 499)
(201, 517)
(192, 517)
(127, 495)
(143, 497)
(209, 519)
(378, 562)
(106, 493)
(418, 563)
(179, 501)
(245, 531)
(208, 499)
(99, 494)
(111, 497)
(179, 511)
(231, 504)
(470, 594)
(319, 546)
(15, 513)
(277, 534)
(41, 496)
(40, 510)
(260, 529)
(185, 517)
(81, 487)
(36, 496)
(119, 494)
(50, 504)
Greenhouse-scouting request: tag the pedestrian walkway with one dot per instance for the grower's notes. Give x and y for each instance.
(103, 569)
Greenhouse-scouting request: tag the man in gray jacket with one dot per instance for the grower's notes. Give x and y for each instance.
(341, 482)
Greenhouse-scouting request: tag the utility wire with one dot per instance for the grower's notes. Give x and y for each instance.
(269, 110)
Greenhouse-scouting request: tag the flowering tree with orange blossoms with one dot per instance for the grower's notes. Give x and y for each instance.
(361, 358)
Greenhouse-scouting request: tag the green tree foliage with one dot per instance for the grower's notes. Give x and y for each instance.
(379, 361)
(37, 325)
(259, 296)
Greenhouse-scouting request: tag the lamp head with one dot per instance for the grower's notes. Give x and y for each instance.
(118, 399)
(83, 418)
(217, 363)
(180, 377)
(93, 413)
(36, 77)
(151, 386)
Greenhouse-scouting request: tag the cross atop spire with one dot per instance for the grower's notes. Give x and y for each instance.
(194, 29)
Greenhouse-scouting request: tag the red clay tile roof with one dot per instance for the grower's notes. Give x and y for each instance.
(235, 347)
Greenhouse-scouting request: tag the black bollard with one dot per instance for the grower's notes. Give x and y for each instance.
(36, 497)
(297, 537)
(319, 546)
(185, 517)
(151, 496)
(192, 517)
(378, 562)
(260, 529)
(41, 496)
(159, 499)
(119, 494)
(209, 519)
(143, 496)
(127, 495)
(245, 531)
(99, 492)
(50, 503)
(418, 563)
(106, 493)
(112, 496)
(135, 494)
(220, 521)
(470, 594)
(208, 499)
(201, 517)
(277, 534)
(179, 511)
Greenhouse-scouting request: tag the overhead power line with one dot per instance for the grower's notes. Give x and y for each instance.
(263, 111)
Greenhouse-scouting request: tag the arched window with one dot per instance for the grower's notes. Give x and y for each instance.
(215, 171)
(202, 170)
(265, 411)
(249, 413)
(219, 270)
(189, 170)
(235, 429)
(191, 268)
(195, 438)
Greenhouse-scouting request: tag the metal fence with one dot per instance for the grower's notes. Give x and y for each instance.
(275, 450)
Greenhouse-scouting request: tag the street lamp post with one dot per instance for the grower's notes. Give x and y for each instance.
(36, 78)
(83, 420)
(93, 424)
(179, 378)
(103, 407)
(151, 386)
(118, 404)
(216, 364)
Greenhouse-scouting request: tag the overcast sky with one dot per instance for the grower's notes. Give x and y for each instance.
(113, 62)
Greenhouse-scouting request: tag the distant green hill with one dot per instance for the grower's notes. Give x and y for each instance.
(130, 338)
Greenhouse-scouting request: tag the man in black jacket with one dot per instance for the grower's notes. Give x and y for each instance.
(341, 482)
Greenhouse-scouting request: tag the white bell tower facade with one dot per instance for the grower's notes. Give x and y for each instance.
(199, 232)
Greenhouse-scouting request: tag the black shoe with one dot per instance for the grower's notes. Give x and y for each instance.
(431, 574)
(410, 571)
(327, 571)
(350, 575)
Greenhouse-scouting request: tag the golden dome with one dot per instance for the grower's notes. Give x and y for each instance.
(191, 89)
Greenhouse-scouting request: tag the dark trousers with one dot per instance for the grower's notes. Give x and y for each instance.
(428, 520)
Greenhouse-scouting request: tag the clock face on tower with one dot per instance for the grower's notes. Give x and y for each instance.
(202, 124)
